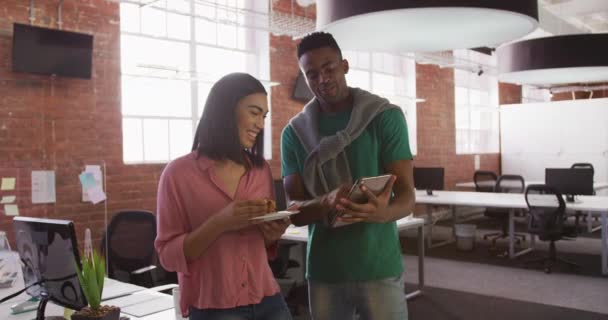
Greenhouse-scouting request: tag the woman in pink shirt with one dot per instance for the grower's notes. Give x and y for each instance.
(205, 201)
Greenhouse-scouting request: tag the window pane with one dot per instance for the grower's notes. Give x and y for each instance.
(155, 97)
(178, 26)
(228, 35)
(156, 140)
(383, 84)
(351, 56)
(207, 10)
(363, 60)
(155, 57)
(129, 17)
(215, 62)
(377, 62)
(180, 141)
(461, 97)
(358, 79)
(203, 92)
(206, 31)
(462, 118)
(153, 21)
(179, 5)
(132, 140)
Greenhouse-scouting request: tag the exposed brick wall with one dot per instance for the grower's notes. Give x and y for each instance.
(63, 124)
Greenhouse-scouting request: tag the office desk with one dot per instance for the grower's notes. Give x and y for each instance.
(597, 205)
(112, 288)
(471, 185)
(300, 234)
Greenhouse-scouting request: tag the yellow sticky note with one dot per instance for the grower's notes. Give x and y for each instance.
(8, 184)
(11, 210)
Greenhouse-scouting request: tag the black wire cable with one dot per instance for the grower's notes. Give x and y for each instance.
(12, 295)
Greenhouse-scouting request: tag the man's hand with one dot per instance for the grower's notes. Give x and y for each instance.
(374, 210)
(330, 200)
(273, 230)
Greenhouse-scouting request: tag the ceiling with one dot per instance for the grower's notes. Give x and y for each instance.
(586, 15)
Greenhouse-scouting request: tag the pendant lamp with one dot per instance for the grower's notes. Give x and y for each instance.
(578, 58)
(425, 25)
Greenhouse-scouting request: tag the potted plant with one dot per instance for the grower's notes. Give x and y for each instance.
(91, 278)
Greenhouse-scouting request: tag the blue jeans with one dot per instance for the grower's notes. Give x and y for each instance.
(372, 300)
(270, 308)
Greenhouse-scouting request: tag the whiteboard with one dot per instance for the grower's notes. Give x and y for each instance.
(535, 136)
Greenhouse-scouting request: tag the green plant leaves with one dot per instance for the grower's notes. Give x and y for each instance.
(91, 278)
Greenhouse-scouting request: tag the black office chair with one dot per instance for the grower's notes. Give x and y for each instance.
(584, 165)
(546, 217)
(507, 183)
(485, 181)
(130, 253)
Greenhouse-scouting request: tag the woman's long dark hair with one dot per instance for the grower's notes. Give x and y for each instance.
(217, 135)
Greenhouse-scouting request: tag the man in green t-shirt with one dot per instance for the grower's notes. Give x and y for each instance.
(344, 134)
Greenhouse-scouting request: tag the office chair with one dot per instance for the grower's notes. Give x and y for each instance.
(507, 183)
(485, 181)
(546, 217)
(130, 254)
(584, 165)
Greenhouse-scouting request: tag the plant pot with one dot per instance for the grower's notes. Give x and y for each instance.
(104, 313)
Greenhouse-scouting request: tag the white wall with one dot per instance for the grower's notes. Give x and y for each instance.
(535, 136)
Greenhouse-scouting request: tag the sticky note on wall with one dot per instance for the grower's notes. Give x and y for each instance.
(11, 210)
(7, 184)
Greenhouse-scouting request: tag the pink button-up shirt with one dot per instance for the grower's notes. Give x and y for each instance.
(234, 270)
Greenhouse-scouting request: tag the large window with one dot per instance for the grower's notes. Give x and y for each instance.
(476, 103)
(390, 76)
(172, 51)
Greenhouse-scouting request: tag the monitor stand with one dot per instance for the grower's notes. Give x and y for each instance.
(571, 199)
(44, 298)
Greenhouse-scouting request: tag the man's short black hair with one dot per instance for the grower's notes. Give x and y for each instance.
(317, 40)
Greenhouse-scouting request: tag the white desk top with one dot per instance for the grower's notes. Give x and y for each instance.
(503, 200)
(112, 288)
(294, 233)
(471, 185)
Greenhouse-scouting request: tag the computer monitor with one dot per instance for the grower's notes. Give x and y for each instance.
(428, 179)
(570, 181)
(49, 253)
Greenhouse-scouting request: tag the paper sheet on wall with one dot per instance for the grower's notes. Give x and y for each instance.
(7, 184)
(92, 184)
(43, 186)
(11, 210)
(8, 199)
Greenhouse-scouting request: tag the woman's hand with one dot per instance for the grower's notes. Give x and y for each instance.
(236, 215)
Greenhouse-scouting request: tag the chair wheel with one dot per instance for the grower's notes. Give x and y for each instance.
(547, 270)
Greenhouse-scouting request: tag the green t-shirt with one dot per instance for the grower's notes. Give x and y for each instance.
(360, 251)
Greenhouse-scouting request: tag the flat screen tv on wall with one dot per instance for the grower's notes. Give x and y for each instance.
(52, 52)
